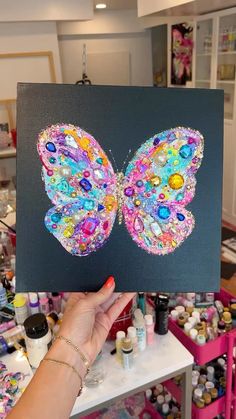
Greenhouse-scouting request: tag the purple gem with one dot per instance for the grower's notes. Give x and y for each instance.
(156, 141)
(89, 226)
(85, 184)
(129, 191)
(191, 140)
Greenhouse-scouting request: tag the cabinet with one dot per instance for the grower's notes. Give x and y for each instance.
(213, 66)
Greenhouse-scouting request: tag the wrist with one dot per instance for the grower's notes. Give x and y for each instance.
(61, 351)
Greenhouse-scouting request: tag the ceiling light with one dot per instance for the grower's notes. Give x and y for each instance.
(101, 6)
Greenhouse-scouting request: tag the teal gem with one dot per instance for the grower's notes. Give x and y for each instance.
(89, 204)
(63, 186)
(52, 160)
(185, 151)
(99, 160)
(163, 212)
(56, 217)
(179, 197)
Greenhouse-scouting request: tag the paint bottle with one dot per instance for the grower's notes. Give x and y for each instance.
(3, 296)
(221, 327)
(38, 338)
(209, 385)
(150, 303)
(210, 373)
(141, 302)
(219, 306)
(193, 334)
(148, 393)
(21, 309)
(165, 410)
(187, 327)
(139, 324)
(160, 402)
(149, 329)
(227, 318)
(131, 332)
(194, 381)
(191, 296)
(33, 303)
(161, 325)
(200, 340)
(6, 326)
(174, 315)
(56, 302)
(120, 335)
(44, 305)
(127, 353)
(3, 346)
(210, 297)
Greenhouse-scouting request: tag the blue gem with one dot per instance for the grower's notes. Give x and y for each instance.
(156, 141)
(56, 217)
(105, 185)
(163, 212)
(51, 147)
(180, 216)
(185, 151)
(85, 184)
(88, 204)
(179, 197)
(100, 207)
(139, 183)
(52, 160)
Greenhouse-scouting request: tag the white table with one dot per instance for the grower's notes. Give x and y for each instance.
(165, 359)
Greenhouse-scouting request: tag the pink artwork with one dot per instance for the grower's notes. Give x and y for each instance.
(182, 49)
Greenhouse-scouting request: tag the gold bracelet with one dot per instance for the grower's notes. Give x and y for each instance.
(76, 348)
(56, 361)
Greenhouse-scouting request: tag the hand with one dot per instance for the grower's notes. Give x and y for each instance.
(86, 323)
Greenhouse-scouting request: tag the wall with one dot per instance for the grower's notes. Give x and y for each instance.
(109, 32)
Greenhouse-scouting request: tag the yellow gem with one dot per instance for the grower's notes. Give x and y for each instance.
(68, 232)
(176, 181)
(173, 243)
(155, 181)
(109, 207)
(73, 194)
(176, 162)
(137, 202)
(109, 202)
(83, 142)
(82, 247)
(175, 152)
(53, 180)
(68, 219)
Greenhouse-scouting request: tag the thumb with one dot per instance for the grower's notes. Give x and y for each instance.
(98, 298)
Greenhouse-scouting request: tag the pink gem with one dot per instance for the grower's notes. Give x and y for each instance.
(130, 211)
(105, 225)
(89, 226)
(148, 194)
(86, 173)
(191, 140)
(50, 172)
(138, 225)
(54, 226)
(161, 196)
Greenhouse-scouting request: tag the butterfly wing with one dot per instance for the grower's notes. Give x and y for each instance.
(159, 182)
(80, 182)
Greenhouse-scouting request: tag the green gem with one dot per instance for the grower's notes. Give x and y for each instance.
(52, 160)
(99, 160)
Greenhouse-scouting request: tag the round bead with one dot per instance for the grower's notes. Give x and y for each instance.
(65, 171)
(155, 181)
(129, 191)
(160, 158)
(54, 226)
(162, 196)
(137, 202)
(73, 194)
(139, 183)
(50, 172)
(51, 147)
(191, 140)
(185, 151)
(82, 247)
(176, 181)
(86, 173)
(56, 217)
(163, 212)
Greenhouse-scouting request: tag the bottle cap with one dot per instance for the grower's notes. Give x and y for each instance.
(192, 320)
(180, 309)
(120, 334)
(131, 332)
(174, 314)
(33, 297)
(42, 295)
(197, 393)
(148, 319)
(36, 326)
(127, 344)
(221, 325)
(165, 408)
(201, 339)
(160, 399)
(187, 327)
(226, 317)
(167, 398)
(159, 388)
(209, 385)
(194, 381)
(19, 300)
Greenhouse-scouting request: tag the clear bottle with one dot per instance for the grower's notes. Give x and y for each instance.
(127, 354)
(141, 303)
(120, 335)
(21, 309)
(96, 374)
(165, 410)
(56, 301)
(38, 338)
(131, 332)
(149, 328)
(33, 303)
(44, 305)
(3, 296)
(139, 324)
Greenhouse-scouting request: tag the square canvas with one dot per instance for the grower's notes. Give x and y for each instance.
(88, 207)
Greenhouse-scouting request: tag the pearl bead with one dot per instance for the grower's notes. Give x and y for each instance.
(65, 171)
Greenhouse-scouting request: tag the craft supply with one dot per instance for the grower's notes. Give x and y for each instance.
(206, 397)
(56, 301)
(191, 296)
(214, 393)
(192, 320)
(227, 318)
(6, 326)
(197, 394)
(194, 381)
(209, 297)
(13, 335)
(161, 325)
(44, 306)
(187, 328)
(209, 385)
(221, 327)
(127, 353)
(165, 409)
(149, 328)
(148, 393)
(201, 340)
(180, 309)
(160, 402)
(141, 302)
(87, 218)
(210, 373)
(52, 319)
(3, 296)
(139, 324)
(3, 346)
(120, 335)
(174, 315)
(131, 333)
(219, 306)
(196, 315)
(181, 320)
(38, 338)
(21, 309)
(33, 303)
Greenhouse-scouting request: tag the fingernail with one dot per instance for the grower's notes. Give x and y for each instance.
(109, 282)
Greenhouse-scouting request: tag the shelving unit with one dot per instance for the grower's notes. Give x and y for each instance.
(7, 153)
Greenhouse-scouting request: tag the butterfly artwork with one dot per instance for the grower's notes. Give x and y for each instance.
(150, 196)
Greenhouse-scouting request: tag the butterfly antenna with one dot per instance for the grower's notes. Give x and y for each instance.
(126, 159)
(114, 161)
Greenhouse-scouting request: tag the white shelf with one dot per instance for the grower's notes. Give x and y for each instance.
(226, 52)
(8, 153)
(202, 81)
(225, 81)
(204, 54)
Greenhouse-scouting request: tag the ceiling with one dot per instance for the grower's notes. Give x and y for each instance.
(118, 4)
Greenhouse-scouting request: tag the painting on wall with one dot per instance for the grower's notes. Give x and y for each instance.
(181, 53)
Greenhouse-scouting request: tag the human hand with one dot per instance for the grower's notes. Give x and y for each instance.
(86, 323)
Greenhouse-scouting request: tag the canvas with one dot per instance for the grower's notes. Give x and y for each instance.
(122, 181)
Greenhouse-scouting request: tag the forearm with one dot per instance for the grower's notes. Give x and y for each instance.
(53, 389)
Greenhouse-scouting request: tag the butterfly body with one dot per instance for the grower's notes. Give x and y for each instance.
(150, 196)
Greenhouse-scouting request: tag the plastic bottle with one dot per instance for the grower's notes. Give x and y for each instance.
(56, 301)
(139, 324)
(38, 338)
(44, 305)
(161, 325)
(191, 296)
(131, 331)
(21, 309)
(160, 402)
(149, 328)
(3, 296)
(127, 353)
(33, 303)
(141, 302)
(165, 410)
(120, 335)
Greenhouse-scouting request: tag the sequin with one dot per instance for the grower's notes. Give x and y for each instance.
(139, 183)
(52, 160)
(155, 181)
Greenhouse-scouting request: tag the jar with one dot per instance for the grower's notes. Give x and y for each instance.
(21, 309)
(38, 338)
